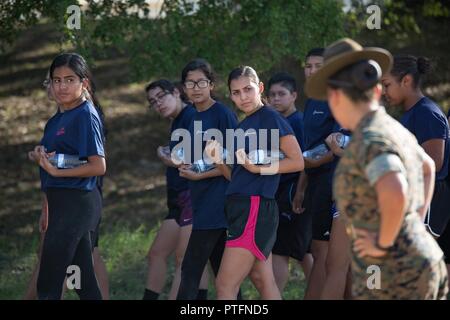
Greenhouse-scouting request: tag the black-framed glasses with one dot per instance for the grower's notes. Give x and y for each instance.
(153, 102)
(201, 84)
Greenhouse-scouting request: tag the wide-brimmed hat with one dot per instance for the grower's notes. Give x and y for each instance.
(337, 56)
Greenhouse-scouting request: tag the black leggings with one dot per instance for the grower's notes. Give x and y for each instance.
(203, 245)
(72, 218)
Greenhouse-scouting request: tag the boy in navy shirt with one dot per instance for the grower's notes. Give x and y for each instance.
(314, 189)
(294, 230)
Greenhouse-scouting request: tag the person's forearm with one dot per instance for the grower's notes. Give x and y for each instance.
(302, 182)
(328, 157)
(44, 203)
(428, 181)
(287, 165)
(391, 192)
(435, 149)
(225, 169)
(210, 174)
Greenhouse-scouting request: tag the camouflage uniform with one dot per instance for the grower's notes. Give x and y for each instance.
(414, 267)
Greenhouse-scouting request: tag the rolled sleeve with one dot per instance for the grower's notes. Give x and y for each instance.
(383, 164)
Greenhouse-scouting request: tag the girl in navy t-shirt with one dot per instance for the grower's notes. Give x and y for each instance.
(49, 132)
(425, 119)
(207, 240)
(72, 194)
(251, 207)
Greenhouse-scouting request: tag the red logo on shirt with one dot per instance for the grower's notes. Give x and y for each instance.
(60, 132)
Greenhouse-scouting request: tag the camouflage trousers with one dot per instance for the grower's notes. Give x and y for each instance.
(429, 283)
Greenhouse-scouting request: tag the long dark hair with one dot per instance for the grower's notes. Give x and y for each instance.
(78, 65)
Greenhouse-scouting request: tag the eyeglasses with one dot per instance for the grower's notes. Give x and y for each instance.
(46, 83)
(158, 98)
(202, 84)
(67, 82)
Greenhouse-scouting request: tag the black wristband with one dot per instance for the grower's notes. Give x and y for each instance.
(377, 245)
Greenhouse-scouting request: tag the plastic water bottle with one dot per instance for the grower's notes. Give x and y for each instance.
(260, 156)
(66, 161)
(202, 166)
(316, 153)
(342, 140)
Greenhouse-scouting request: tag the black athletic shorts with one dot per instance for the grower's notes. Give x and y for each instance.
(318, 202)
(252, 224)
(294, 230)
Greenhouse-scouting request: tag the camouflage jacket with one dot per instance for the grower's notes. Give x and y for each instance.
(380, 145)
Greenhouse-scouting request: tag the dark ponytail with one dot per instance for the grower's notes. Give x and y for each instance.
(91, 90)
(405, 64)
(423, 65)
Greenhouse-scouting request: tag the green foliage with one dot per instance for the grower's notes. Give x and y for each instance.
(401, 20)
(227, 33)
(17, 15)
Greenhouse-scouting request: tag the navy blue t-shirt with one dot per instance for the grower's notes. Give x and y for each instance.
(182, 121)
(295, 120)
(243, 182)
(427, 121)
(48, 141)
(318, 123)
(78, 132)
(208, 195)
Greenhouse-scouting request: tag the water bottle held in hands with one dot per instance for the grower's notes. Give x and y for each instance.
(66, 161)
(342, 140)
(202, 166)
(316, 152)
(261, 156)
